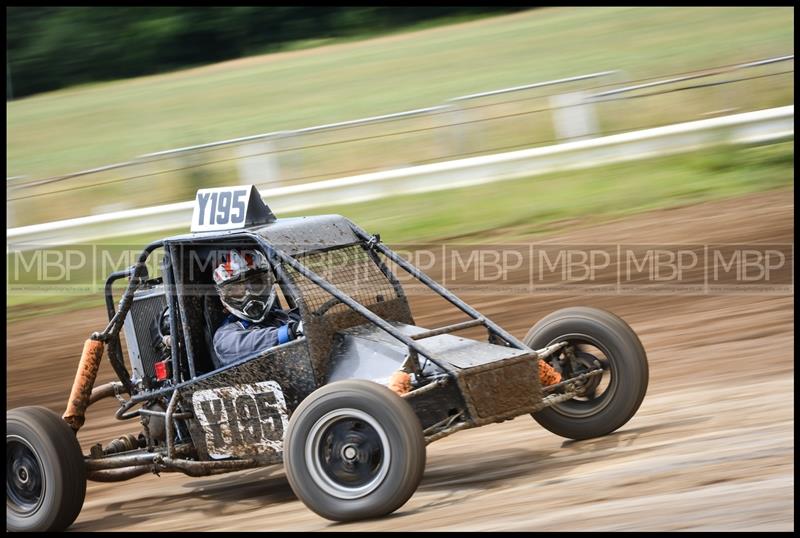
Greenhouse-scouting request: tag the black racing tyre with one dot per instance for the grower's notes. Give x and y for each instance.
(45, 471)
(597, 337)
(354, 450)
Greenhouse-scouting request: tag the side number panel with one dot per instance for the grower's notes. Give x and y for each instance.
(242, 419)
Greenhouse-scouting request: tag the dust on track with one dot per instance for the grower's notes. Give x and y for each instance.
(711, 448)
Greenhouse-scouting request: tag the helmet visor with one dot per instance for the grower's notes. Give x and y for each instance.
(254, 285)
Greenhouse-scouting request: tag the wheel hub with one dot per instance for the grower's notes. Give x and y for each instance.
(349, 453)
(585, 354)
(586, 363)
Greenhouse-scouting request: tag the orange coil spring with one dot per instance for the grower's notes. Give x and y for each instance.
(400, 382)
(547, 374)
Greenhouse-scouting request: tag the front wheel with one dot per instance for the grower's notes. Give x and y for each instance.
(45, 472)
(354, 450)
(596, 339)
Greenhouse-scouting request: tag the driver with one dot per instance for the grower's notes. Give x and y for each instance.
(245, 283)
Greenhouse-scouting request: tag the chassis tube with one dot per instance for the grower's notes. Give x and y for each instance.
(169, 288)
(118, 475)
(169, 425)
(114, 348)
(113, 277)
(187, 335)
(134, 458)
(447, 329)
(104, 391)
(129, 464)
(127, 297)
(189, 468)
(206, 468)
(118, 462)
(118, 363)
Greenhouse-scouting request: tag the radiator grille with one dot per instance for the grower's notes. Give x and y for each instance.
(139, 325)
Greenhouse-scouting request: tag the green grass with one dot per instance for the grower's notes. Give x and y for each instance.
(524, 208)
(97, 124)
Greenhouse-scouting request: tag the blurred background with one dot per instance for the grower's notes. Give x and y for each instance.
(503, 125)
(120, 108)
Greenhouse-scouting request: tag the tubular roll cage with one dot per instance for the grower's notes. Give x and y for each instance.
(276, 258)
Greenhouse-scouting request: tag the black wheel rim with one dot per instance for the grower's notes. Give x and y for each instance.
(25, 481)
(598, 391)
(348, 453)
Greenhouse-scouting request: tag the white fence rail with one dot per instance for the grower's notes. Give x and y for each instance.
(758, 126)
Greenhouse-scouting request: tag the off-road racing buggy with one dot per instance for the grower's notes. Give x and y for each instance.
(352, 448)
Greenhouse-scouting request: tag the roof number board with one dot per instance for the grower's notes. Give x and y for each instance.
(229, 208)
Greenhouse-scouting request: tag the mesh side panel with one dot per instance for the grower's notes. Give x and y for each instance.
(351, 270)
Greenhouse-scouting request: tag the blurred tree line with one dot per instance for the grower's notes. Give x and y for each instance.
(53, 47)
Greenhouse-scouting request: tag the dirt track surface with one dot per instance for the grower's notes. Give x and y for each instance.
(711, 448)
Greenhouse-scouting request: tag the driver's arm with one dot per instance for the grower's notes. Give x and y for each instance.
(232, 342)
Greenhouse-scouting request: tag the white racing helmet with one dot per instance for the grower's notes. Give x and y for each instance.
(245, 283)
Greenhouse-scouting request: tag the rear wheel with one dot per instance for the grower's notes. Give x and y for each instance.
(597, 339)
(354, 450)
(45, 472)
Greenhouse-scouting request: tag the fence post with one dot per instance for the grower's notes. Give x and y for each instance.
(573, 117)
(257, 163)
(458, 128)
